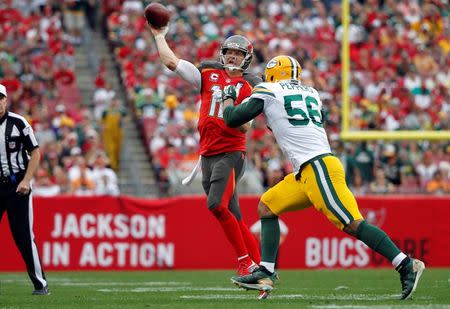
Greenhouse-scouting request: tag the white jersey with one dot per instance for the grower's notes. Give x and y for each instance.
(294, 113)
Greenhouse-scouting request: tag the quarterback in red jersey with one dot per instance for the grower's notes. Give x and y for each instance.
(222, 149)
(215, 136)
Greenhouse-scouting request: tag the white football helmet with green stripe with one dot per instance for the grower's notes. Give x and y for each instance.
(282, 68)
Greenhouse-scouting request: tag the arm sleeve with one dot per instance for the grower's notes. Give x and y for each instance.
(29, 139)
(189, 73)
(236, 116)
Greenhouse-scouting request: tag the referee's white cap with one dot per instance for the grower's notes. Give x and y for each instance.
(3, 90)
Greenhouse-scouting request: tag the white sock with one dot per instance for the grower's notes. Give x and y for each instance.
(242, 257)
(398, 259)
(269, 266)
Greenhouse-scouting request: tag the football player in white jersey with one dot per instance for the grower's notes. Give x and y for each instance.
(294, 114)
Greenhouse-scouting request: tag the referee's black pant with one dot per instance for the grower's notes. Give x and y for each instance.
(20, 215)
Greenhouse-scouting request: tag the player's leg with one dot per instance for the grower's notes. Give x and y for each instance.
(287, 195)
(410, 270)
(219, 184)
(20, 216)
(249, 239)
(330, 194)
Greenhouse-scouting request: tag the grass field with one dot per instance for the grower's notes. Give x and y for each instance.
(212, 289)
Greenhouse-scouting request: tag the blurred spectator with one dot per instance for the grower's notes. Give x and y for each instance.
(426, 168)
(74, 19)
(357, 186)
(43, 185)
(61, 120)
(438, 184)
(64, 75)
(91, 143)
(112, 131)
(102, 99)
(274, 169)
(104, 177)
(81, 178)
(90, 11)
(364, 161)
(380, 184)
(392, 165)
(61, 179)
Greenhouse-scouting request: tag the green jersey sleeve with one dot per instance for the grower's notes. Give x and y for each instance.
(235, 116)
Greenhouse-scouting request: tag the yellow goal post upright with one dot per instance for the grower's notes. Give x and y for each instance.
(346, 133)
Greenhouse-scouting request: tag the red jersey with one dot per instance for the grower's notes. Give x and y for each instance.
(215, 136)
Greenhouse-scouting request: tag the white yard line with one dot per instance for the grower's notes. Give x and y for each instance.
(380, 306)
(146, 283)
(361, 297)
(166, 289)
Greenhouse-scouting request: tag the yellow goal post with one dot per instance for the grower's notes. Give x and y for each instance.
(349, 135)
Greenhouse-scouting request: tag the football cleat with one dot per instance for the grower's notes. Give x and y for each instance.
(44, 291)
(410, 277)
(260, 279)
(263, 286)
(263, 294)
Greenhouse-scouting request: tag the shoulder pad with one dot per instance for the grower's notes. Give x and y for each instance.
(252, 79)
(210, 65)
(262, 89)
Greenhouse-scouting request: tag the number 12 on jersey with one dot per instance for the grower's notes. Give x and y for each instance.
(216, 106)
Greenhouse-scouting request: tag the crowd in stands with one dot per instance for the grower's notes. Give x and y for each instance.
(37, 66)
(400, 80)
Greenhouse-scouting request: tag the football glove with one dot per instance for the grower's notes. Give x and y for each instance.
(229, 92)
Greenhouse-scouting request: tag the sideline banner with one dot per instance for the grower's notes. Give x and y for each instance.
(125, 233)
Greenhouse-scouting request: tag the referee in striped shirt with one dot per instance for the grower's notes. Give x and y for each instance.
(19, 159)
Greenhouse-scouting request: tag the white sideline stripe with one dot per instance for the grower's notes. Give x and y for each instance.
(37, 264)
(362, 297)
(220, 296)
(124, 283)
(380, 306)
(328, 193)
(74, 282)
(166, 289)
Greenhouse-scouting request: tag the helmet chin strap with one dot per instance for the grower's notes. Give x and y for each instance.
(233, 67)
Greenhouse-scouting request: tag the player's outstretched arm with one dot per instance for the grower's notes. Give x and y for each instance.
(183, 68)
(166, 54)
(235, 116)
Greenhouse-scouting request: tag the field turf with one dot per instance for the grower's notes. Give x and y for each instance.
(213, 289)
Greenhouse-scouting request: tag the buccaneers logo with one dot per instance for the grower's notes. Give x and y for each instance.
(374, 216)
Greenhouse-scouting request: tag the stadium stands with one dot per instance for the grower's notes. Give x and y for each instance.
(399, 80)
(37, 65)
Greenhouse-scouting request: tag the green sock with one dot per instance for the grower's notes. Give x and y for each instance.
(377, 240)
(270, 239)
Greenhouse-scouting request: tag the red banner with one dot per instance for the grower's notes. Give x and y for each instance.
(109, 233)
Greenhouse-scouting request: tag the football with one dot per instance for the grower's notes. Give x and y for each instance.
(157, 15)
